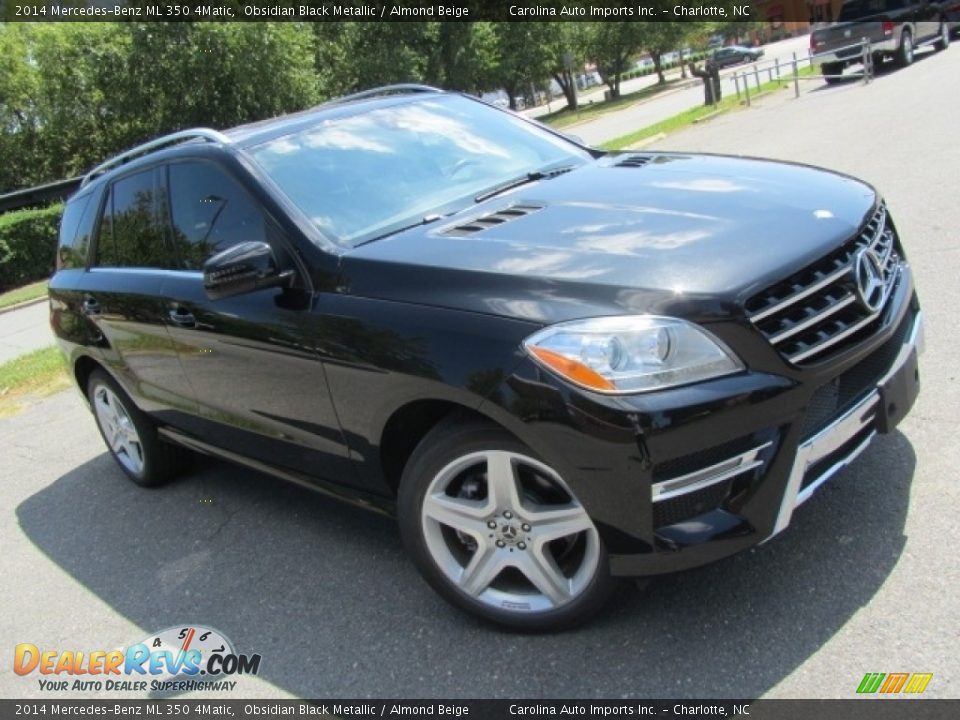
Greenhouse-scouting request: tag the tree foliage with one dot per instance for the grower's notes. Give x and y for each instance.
(72, 94)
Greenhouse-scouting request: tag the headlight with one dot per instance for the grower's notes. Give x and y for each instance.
(631, 353)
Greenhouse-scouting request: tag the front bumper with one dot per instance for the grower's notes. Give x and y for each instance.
(682, 478)
(847, 436)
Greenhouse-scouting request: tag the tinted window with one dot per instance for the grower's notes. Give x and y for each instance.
(131, 234)
(210, 212)
(75, 227)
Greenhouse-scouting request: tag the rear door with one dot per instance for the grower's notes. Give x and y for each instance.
(121, 294)
(259, 383)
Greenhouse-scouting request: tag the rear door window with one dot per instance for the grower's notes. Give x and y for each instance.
(131, 232)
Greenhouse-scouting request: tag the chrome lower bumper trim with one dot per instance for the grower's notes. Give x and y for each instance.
(833, 437)
(708, 476)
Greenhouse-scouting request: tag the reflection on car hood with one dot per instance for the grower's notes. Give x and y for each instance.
(702, 229)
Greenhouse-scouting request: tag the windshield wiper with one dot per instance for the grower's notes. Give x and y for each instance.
(529, 177)
(425, 220)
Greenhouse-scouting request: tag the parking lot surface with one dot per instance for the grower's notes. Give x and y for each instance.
(864, 580)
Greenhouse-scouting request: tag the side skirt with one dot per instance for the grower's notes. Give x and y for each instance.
(375, 503)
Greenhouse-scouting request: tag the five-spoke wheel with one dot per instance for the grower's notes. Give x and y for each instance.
(118, 429)
(130, 435)
(498, 531)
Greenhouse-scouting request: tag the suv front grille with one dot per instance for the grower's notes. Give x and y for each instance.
(831, 304)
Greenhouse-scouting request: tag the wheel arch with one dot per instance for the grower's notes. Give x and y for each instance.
(408, 425)
(83, 368)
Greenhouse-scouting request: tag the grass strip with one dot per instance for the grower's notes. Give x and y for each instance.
(36, 374)
(23, 294)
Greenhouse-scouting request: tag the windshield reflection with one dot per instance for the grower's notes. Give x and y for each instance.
(363, 176)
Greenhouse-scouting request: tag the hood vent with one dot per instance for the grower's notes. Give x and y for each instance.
(488, 221)
(634, 161)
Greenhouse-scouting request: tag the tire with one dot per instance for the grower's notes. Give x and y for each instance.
(905, 51)
(832, 69)
(130, 435)
(507, 561)
(944, 40)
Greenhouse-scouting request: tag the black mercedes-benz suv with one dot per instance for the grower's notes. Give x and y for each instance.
(554, 365)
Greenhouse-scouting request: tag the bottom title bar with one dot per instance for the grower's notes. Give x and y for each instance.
(878, 709)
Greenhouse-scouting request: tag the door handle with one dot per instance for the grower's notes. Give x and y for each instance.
(91, 306)
(182, 317)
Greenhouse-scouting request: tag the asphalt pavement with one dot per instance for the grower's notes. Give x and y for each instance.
(864, 580)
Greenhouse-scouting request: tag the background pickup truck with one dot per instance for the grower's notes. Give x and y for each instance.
(893, 27)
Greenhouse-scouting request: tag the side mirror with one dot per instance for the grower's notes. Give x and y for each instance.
(243, 268)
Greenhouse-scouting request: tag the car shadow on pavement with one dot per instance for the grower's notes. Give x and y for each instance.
(324, 592)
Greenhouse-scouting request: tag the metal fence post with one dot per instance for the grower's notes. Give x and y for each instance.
(777, 65)
(868, 57)
(756, 75)
(796, 77)
(865, 60)
(746, 88)
(736, 85)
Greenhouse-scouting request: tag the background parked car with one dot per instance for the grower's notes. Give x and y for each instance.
(736, 54)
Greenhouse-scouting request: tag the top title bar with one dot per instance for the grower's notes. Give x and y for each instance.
(774, 11)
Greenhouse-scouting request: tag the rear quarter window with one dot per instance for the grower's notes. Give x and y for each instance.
(76, 226)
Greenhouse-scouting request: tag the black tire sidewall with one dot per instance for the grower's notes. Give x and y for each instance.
(155, 467)
(436, 450)
(904, 58)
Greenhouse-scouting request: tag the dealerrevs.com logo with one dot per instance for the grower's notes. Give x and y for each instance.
(178, 659)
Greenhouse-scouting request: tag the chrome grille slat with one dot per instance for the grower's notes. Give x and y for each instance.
(793, 299)
(833, 340)
(823, 306)
(813, 320)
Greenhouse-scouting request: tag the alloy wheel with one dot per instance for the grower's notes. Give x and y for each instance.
(118, 429)
(506, 530)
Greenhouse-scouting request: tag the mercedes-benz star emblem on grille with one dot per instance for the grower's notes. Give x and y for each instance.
(870, 286)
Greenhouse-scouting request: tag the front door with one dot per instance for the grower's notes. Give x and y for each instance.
(258, 381)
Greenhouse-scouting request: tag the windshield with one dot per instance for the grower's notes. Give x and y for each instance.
(364, 176)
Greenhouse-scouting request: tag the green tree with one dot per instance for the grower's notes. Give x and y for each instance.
(522, 57)
(611, 46)
(664, 37)
(567, 48)
(74, 93)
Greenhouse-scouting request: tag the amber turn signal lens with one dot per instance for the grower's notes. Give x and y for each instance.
(572, 370)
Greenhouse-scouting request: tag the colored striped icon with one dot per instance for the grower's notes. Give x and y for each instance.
(892, 683)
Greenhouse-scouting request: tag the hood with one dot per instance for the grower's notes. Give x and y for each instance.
(644, 232)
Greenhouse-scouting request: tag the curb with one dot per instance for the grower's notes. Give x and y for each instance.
(710, 116)
(25, 304)
(640, 144)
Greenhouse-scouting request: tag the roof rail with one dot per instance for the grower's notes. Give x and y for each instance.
(388, 90)
(172, 139)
